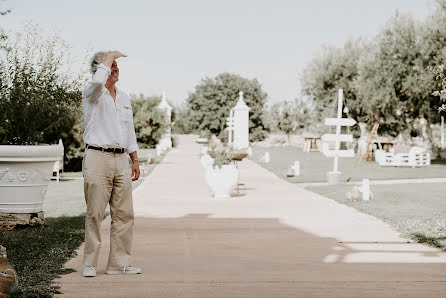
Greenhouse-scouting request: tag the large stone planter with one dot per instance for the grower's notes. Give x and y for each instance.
(25, 172)
(222, 181)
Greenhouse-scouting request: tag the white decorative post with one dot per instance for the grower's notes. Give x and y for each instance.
(365, 189)
(442, 133)
(334, 177)
(166, 140)
(266, 158)
(241, 124)
(296, 168)
(230, 127)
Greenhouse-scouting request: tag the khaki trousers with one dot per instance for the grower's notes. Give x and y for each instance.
(107, 180)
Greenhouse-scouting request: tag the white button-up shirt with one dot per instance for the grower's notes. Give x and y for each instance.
(108, 123)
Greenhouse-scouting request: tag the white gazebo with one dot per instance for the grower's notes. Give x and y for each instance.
(238, 125)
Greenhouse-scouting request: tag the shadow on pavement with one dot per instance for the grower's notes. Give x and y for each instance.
(201, 256)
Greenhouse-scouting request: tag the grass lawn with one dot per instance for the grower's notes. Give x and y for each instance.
(314, 166)
(38, 254)
(417, 211)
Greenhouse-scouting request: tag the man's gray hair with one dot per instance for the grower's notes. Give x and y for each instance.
(96, 60)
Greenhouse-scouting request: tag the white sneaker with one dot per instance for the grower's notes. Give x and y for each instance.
(89, 271)
(124, 270)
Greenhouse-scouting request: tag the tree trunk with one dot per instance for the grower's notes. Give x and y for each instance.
(362, 142)
(429, 139)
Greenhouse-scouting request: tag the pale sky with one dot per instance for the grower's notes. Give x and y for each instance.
(173, 44)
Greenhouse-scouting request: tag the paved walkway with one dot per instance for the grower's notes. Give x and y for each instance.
(274, 240)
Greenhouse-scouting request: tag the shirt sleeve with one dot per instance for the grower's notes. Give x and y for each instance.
(93, 90)
(132, 145)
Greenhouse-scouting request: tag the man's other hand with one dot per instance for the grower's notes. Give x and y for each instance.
(135, 171)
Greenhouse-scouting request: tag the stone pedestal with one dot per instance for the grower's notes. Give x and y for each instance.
(9, 221)
(334, 177)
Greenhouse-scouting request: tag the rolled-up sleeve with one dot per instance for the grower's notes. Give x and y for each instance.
(93, 90)
(132, 145)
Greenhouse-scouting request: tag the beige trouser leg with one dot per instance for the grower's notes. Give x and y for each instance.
(107, 179)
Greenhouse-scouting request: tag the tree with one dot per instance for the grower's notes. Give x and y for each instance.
(182, 123)
(150, 122)
(290, 116)
(388, 75)
(334, 68)
(384, 80)
(39, 99)
(433, 36)
(208, 106)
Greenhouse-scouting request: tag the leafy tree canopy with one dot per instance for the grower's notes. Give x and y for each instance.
(386, 79)
(209, 105)
(150, 122)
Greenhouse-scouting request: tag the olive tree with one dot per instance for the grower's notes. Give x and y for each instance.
(209, 105)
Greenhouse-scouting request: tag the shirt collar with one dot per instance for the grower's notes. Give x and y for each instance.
(116, 88)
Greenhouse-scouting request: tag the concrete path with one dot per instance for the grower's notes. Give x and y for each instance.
(275, 239)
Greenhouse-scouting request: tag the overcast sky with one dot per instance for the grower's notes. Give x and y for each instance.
(173, 44)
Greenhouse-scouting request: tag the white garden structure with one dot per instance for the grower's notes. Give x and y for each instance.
(417, 157)
(58, 165)
(334, 176)
(238, 125)
(166, 140)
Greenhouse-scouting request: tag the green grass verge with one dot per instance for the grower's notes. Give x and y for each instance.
(39, 254)
(415, 210)
(314, 166)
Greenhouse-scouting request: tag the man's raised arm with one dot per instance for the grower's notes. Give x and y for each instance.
(93, 89)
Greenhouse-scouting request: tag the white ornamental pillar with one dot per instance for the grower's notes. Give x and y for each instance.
(241, 124)
(442, 133)
(230, 127)
(166, 141)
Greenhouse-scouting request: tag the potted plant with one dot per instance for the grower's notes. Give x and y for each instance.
(222, 176)
(39, 105)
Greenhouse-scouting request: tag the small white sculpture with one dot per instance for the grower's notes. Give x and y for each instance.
(158, 150)
(364, 188)
(249, 151)
(296, 168)
(266, 158)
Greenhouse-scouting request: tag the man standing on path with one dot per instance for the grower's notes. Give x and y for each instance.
(108, 135)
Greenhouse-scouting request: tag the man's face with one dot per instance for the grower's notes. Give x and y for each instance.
(114, 75)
